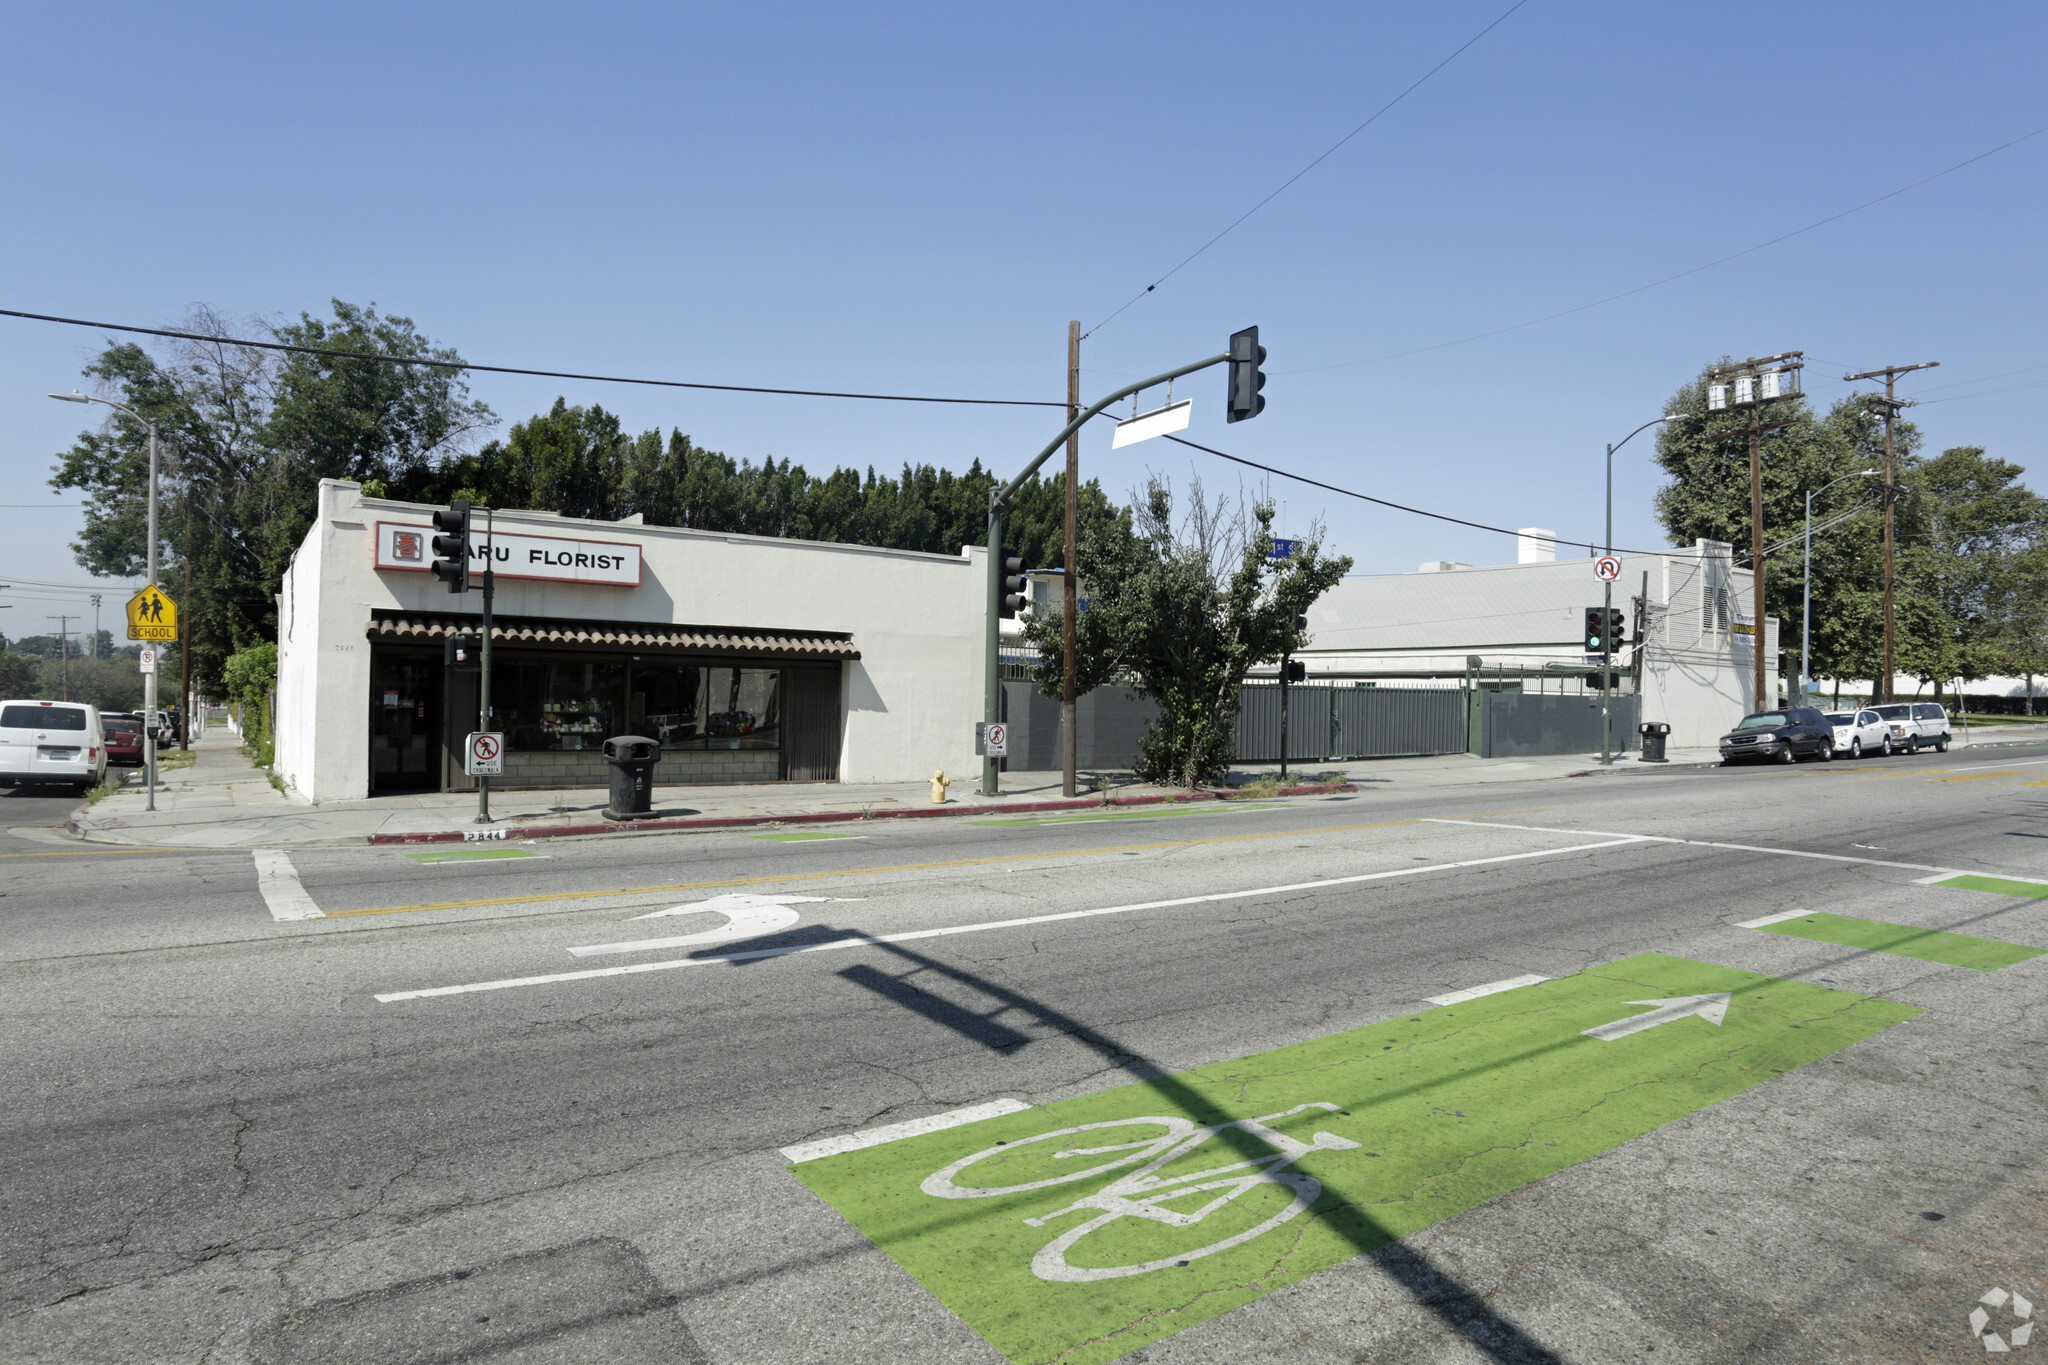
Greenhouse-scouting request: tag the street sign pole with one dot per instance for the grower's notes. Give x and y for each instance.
(483, 783)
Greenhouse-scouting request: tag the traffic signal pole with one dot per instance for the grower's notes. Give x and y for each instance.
(999, 501)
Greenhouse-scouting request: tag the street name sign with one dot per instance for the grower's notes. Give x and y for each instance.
(152, 615)
(483, 754)
(1607, 568)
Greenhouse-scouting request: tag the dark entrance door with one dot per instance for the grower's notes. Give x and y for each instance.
(810, 724)
(405, 722)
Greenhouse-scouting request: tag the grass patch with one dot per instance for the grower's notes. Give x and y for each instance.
(105, 789)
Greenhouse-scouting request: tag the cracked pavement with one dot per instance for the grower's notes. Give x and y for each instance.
(220, 1147)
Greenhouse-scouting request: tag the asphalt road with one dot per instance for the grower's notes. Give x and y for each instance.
(422, 1126)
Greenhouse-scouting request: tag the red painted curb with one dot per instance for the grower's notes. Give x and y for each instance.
(508, 832)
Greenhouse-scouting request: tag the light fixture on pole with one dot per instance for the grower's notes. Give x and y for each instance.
(1607, 602)
(148, 679)
(1806, 590)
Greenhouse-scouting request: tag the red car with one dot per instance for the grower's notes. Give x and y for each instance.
(124, 742)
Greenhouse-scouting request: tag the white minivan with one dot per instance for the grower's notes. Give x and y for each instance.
(52, 741)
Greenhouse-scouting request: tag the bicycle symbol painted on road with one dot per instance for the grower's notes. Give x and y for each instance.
(1140, 1194)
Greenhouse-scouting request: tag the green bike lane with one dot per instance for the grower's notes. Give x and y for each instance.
(1092, 1227)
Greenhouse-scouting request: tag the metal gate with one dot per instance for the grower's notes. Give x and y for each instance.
(810, 724)
(1350, 722)
(1524, 725)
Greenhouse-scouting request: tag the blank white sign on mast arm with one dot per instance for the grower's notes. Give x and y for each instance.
(1158, 422)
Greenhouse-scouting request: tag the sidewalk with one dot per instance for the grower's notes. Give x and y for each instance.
(223, 802)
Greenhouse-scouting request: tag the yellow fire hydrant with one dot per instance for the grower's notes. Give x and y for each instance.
(939, 785)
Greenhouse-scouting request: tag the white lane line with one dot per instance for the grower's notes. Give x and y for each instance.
(1778, 918)
(891, 1132)
(278, 880)
(1941, 877)
(866, 940)
(1490, 988)
(1709, 843)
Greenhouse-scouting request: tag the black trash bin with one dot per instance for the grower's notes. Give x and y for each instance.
(632, 758)
(1654, 733)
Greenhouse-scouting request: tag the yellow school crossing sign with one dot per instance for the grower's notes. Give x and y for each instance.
(152, 615)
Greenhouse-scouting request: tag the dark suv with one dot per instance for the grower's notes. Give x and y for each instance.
(1780, 737)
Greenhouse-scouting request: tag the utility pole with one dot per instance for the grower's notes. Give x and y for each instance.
(1758, 380)
(95, 625)
(185, 642)
(64, 651)
(1070, 593)
(1891, 404)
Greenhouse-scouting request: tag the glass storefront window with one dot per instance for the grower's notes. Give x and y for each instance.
(549, 705)
(691, 706)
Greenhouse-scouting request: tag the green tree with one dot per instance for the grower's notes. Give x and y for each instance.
(1185, 608)
(1971, 539)
(20, 676)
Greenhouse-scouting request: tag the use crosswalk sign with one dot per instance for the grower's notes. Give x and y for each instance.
(152, 615)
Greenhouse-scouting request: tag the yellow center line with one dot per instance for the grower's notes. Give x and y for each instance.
(1010, 858)
(1976, 777)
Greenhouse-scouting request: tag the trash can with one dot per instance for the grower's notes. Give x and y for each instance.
(632, 758)
(1654, 733)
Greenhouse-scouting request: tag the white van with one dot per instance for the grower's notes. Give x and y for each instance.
(52, 741)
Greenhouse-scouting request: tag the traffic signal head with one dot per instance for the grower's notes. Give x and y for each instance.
(1294, 670)
(1595, 633)
(451, 547)
(1246, 379)
(1016, 585)
(1616, 633)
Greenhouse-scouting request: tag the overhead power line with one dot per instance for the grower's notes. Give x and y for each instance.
(427, 362)
(1653, 284)
(1327, 154)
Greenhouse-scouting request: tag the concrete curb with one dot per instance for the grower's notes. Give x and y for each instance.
(495, 834)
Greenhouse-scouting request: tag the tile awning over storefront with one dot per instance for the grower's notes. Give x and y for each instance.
(414, 627)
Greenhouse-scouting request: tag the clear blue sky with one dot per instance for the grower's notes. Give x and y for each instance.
(918, 198)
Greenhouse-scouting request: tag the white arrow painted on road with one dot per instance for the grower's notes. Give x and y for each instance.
(1712, 1008)
(747, 916)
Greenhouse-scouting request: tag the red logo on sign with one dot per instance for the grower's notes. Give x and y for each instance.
(408, 545)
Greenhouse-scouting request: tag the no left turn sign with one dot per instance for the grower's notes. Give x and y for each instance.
(1607, 568)
(484, 754)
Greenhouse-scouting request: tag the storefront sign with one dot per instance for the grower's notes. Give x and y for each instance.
(551, 558)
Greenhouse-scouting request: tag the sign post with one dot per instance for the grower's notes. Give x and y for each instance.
(152, 616)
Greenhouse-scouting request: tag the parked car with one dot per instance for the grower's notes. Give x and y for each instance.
(52, 741)
(1916, 725)
(124, 740)
(1860, 732)
(1780, 736)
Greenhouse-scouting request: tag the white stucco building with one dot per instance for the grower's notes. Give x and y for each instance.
(749, 658)
(1516, 627)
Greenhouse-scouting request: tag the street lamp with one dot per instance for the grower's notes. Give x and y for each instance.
(1806, 588)
(1607, 597)
(148, 679)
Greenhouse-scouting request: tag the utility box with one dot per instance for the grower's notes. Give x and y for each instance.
(632, 758)
(1654, 733)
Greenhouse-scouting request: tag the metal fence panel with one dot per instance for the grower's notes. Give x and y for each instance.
(1525, 725)
(1376, 722)
(1258, 723)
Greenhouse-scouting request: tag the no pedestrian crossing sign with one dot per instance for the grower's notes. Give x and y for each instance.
(483, 755)
(148, 660)
(993, 739)
(1607, 568)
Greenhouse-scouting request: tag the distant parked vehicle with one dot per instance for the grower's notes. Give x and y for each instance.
(1916, 725)
(1780, 737)
(1860, 732)
(124, 740)
(52, 741)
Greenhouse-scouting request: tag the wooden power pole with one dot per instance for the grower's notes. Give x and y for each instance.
(1892, 403)
(1757, 381)
(1069, 573)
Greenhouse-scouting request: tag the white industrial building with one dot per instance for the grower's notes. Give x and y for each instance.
(1516, 628)
(750, 658)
